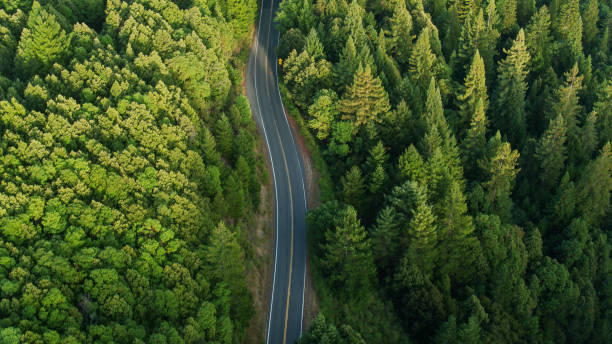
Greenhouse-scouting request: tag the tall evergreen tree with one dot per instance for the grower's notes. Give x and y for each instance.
(512, 87)
(347, 66)
(539, 41)
(590, 16)
(551, 152)
(400, 30)
(501, 170)
(365, 99)
(475, 91)
(422, 61)
(568, 30)
(43, 42)
(347, 255)
(313, 45)
(507, 11)
(323, 112)
(469, 42)
(566, 104)
(423, 234)
(475, 143)
(353, 188)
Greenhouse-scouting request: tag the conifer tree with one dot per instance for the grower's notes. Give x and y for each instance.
(539, 41)
(353, 24)
(475, 91)
(423, 234)
(500, 167)
(566, 104)
(411, 165)
(43, 42)
(365, 99)
(603, 108)
(385, 238)
(313, 45)
(463, 9)
(589, 20)
(594, 187)
(347, 66)
(323, 113)
(347, 255)
(400, 29)
(475, 142)
(551, 152)
(525, 9)
(422, 61)
(490, 40)
(507, 11)
(512, 87)
(469, 42)
(353, 187)
(568, 30)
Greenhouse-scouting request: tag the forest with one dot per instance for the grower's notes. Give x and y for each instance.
(468, 144)
(128, 171)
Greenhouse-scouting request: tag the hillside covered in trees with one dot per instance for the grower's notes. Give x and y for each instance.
(127, 171)
(469, 145)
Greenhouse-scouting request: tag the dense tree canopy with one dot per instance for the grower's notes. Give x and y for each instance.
(469, 143)
(128, 171)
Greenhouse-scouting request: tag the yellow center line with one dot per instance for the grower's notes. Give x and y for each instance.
(290, 192)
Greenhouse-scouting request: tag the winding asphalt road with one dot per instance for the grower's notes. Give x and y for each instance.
(287, 301)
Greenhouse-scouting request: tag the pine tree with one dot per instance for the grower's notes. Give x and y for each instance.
(353, 187)
(423, 234)
(422, 61)
(411, 165)
(347, 66)
(400, 30)
(551, 152)
(490, 40)
(507, 10)
(347, 255)
(603, 108)
(475, 142)
(594, 187)
(539, 41)
(385, 238)
(469, 42)
(365, 99)
(463, 9)
(525, 10)
(378, 178)
(568, 30)
(313, 45)
(501, 170)
(224, 135)
(475, 91)
(353, 24)
(43, 42)
(589, 20)
(510, 96)
(225, 255)
(323, 113)
(566, 104)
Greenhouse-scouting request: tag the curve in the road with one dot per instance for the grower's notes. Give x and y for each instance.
(287, 298)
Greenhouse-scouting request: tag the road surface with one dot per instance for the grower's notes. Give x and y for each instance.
(287, 300)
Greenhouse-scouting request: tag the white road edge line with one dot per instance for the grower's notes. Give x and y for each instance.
(273, 171)
(301, 175)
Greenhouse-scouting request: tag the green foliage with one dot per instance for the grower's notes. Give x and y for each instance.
(472, 178)
(43, 42)
(128, 172)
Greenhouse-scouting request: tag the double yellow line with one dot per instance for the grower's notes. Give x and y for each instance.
(290, 189)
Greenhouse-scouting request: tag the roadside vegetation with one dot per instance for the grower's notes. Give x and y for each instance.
(128, 172)
(469, 147)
